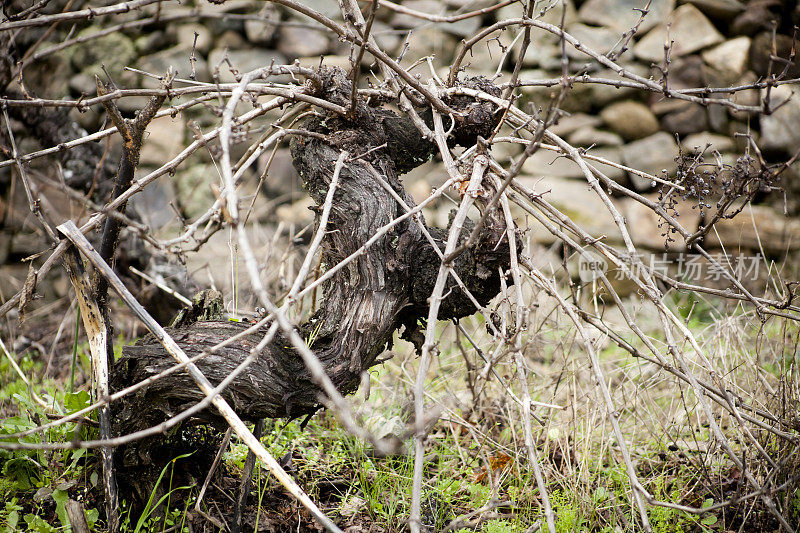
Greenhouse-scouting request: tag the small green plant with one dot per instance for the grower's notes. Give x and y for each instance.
(174, 519)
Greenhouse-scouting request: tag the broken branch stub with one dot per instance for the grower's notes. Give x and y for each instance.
(385, 287)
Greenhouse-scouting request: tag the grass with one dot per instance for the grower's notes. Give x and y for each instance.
(475, 455)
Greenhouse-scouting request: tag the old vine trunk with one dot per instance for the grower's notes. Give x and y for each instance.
(364, 303)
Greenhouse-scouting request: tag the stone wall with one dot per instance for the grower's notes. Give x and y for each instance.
(717, 43)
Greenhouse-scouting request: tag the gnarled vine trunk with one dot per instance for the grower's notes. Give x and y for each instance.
(364, 303)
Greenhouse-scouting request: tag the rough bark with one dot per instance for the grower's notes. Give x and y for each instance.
(364, 303)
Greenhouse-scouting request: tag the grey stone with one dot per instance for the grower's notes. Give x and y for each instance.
(567, 125)
(621, 15)
(609, 153)
(282, 180)
(232, 40)
(599, 39)
(758, 227)
(699, 141)
(176, 57)
(749, 97)
(594, 137)
(83, 83)
(461, 28)
(484, 58)
(653, 155)
(602, 94)
(719, 9)
(632, 120)
(730, 57)
(295, 41)
(427, 41)
(388, 39)
(692, 118)
(329, 8)
(185, 35)
(690, 31)
(547, 163)
(244, 61)
(542, 53)
(761, 51)
(575, 199)
(297, 213)
(328, 60)
(263, 32)
(163, 140)
(544, 10)
(114, 50)
(779, 131)
(193, 187)
(648, 229)
(152, 204)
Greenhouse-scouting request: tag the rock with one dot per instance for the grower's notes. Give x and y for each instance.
(326, 7)
(388, 39)
(690, 31)
(691, 119)
(632, 120)
(282, 180)
(575, 199)
(178, 58)
(185, 34)
(295, 41)
(577, 100)
(653, 155)
(760, 52)
(549, 12)
(163, 140)
(193, 189)
(749, 97)
(243, 61)
(546, 55)
(485, 58)
(329, 60)
(610, 153)
(461, 28)
(231, 39)
(115, 51)
(156, 40)
(718, 117)
(719, 9)
(729, 58)
(594, 137)
(263, 31)
(599, 39)
(698, 142)
(757, 17)
(756, 227)
(83, 83)
(622, 15)
(602, 94)
(648, 229)
(779, 131)
(577, 121)
(685, 72)
(297, 213)
(152, 204)
(404, 21)
(426, 41)
(547, 163)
